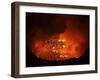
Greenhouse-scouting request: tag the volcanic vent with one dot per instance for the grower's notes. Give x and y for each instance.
(57, 37)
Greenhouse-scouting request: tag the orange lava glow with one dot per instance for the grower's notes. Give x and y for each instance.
(69, 44)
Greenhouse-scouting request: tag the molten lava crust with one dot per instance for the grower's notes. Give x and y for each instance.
(60, 47)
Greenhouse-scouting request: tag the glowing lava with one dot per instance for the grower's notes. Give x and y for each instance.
(62, 46)
(56, 37)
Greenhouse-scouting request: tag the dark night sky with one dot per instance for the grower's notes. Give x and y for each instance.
(50, 24)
